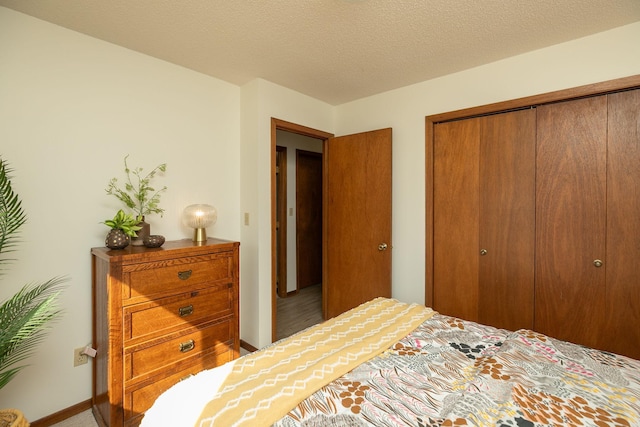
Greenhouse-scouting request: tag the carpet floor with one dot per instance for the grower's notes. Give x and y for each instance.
(83, 419)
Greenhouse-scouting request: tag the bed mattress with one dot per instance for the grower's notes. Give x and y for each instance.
(449, 372)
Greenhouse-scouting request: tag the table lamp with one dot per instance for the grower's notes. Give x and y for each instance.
(199, 217)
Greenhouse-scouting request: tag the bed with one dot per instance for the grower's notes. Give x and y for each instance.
(387, 363)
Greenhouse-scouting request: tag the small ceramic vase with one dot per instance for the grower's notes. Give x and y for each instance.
(142, 233)
(116, 239)
(154, 241)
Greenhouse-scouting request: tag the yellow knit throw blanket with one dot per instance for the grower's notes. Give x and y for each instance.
(264, 386)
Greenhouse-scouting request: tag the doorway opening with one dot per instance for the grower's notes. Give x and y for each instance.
(296, 206)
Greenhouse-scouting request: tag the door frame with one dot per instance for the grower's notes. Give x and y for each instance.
(277, 124)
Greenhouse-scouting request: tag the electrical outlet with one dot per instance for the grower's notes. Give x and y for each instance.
(79, 358)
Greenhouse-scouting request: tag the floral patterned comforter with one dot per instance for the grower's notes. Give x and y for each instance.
(450, 372)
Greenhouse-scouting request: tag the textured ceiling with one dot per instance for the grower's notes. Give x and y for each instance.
(333, 50)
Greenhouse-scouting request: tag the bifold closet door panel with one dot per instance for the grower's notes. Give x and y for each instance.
(571, 164)
(507, 219)
(456, 201)
(623, 225)
(484, 213)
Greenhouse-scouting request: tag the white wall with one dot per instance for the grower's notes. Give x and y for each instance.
(71, 107)
(262, 101)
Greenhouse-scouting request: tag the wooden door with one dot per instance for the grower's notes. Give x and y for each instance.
(507, 219)
(622, 268)
(357, 220)
(456, 186)
(571, 219)
(308, 218)
(281, 221)
(484, 198)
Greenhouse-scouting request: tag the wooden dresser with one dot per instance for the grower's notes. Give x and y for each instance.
(160, 315)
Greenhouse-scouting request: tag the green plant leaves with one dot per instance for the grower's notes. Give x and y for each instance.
(124, 222)
(12, 217)
(138, 194)
(24, 317)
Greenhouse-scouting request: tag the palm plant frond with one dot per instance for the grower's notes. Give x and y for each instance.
(25, 319)
(12, 216)
(26, 316)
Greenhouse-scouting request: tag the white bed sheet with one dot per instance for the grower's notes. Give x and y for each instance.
(181, 404)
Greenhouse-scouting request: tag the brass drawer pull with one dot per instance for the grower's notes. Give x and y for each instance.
(185, 311)
(187, 346)
(184, 275)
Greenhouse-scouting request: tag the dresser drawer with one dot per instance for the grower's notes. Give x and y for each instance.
(177, 351)
(158, 317)
(188, 273)
(137, 400)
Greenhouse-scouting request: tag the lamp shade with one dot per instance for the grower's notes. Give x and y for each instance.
(199, 217)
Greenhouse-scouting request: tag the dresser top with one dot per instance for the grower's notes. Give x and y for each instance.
(170, 249)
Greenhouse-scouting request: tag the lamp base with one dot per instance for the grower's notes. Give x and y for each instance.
(199, 235)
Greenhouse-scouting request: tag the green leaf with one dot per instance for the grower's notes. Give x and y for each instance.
(12, 216)
(124, 222)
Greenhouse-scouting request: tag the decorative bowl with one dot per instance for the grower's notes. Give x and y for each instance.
(153, 241)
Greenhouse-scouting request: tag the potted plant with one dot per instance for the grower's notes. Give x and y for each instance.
(26, 316)
(139, 195)
(123, 227)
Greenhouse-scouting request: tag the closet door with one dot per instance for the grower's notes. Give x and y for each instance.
(571, 219)
(507, 218)
(484, 188)
(622, 334)
(456, 154)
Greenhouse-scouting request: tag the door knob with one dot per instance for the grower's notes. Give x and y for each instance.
(597, 263)
(382, 247)
(483, 252)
